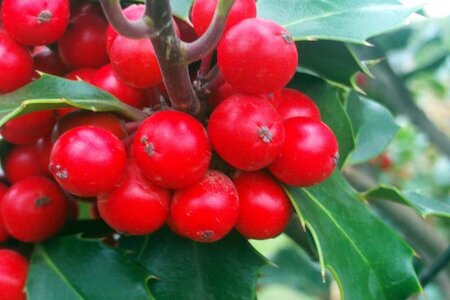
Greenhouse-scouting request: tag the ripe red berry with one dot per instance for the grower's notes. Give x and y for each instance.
(87, 161)
(135, 62)
(29, 128)
(37, 22)
(203, 11)
(34, 209)
(48, 62)
(83, 44)
(16, 64)
(223, 92)
(23, 161)
(136, 206)
(172, 149)
(3, 233)
(309, 154)
(264, 208)
(293, 103)
(106, 79)
(246, 131)
(257, 56)
(13, 275)
(207, 210)
(79, 118)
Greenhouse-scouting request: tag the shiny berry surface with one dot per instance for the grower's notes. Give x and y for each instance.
(13, 275)
(293, 103)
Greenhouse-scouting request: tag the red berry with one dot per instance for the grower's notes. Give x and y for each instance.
(37, 22)
(172, 149)
(187, 32)
(87, 161)
(106, 79)
(309, 154)
(203, 11)
(83, 44)
(34, 209)
(292, 104)
(79, 118)
(13, 275)
(264, 208)
(223, 92)
(48, 62)
(84, 74)
(257, 56)
(246, 131)
(3, 233)
(135, 62)
(207, 210)
(16, 64)
(29, 128)
(22, 162)
(136, 206)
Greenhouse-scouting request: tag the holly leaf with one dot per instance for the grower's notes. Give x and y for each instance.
(423, 205)
(186, 270)
(332, 110)
(366, 257)
(52, 92)
(72, 268)
(344, 20)
(374, 127)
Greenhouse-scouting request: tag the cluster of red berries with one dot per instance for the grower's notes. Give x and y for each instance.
(167, 169)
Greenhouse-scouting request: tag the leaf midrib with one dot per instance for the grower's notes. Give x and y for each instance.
(58, 272)
(345, 235)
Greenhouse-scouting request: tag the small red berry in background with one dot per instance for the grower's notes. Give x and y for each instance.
(107, 80)
(134, 61)
(79, 118)
(224, 91)
(29, 128)
(16, 64)
(37, 22)
(13, 275)
(87, 161)
(292, 103)
(207, 210)
(246, 131)
(47, 61)
(83, 43)
(136, 206)
(257, 56)
(3, 233)
(172, 149)
(308, 156)
(264, 208)
(84, 74)
(34, 209)
(203, 11)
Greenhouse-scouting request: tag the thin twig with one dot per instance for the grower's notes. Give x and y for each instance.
(436, 266)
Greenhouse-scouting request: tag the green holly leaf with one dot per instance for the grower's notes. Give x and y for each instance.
(374, 127)
(331, 108)
(423, 205)
(72, 268)
(344, 20)
(52, 92)
(186, 270)
(367, 258)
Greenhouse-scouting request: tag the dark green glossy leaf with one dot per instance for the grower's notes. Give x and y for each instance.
(366, 257)
(332, 111)
(424, 206)
(334, 61)
(186, 270)
(374, 127)
(51, 92)
(71, 268)
(292, 267)
(349, 20)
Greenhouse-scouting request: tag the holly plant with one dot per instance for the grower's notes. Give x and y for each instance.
(147, 144)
